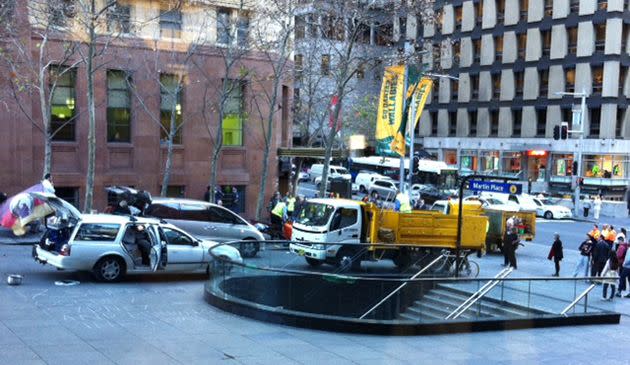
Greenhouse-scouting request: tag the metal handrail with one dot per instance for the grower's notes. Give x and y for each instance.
(437, 259)
(479, 294)
(577, 300)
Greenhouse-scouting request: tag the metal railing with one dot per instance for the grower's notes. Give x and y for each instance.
(575, 301)
(479, 293)
(444, 255)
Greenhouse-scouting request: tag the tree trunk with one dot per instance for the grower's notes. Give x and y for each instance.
(46, 125)
(91, 163)
(166, 179)
(329, 144)
(260, 202)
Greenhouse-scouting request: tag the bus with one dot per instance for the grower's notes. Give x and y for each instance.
(430, 172)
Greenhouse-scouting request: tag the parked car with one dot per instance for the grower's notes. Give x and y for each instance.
(333, 171)
(385, 188)
(304, 176)
(429, 193)
(365, 179)
(525, 202)
(111, 246)
(493, 203)
(207, 221)
(549, 210)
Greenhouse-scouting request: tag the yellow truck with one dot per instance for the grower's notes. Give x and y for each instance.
(345, 232)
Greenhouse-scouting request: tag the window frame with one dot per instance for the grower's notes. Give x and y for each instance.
(71, 102)
(240, 115)
(110, 109)
(166, 113)
(171, 21)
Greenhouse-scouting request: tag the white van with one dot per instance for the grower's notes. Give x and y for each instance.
(525, 202)
(333, 171)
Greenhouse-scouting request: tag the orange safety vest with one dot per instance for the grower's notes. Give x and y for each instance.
(594, 233)
(612, 235)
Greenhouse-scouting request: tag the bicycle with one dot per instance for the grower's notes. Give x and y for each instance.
(467, 267)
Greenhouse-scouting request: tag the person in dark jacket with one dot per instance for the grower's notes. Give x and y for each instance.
(509, 247)
(601, 252)
(585, 249)
(556, 253)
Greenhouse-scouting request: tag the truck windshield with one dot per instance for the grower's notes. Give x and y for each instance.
(315, 214)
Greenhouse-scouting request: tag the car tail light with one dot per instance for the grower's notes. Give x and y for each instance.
(65, 250)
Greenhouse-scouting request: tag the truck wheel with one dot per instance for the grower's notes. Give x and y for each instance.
(347, 260)
(402, 260)
(313, 263)
(249, 249)
(109, 269)
(548, 215)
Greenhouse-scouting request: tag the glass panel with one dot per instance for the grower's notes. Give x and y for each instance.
(97, 232)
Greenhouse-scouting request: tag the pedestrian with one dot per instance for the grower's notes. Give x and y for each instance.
(597, 207)
(206, 195)
(595, 232)
(601, 251)
(611, 236)
(610, 275)
(622, 249)
(299, 205)
(624, 276)
(279, 214)
(122, 208)
(586, 247)
(509, 248)
(273, 201)
(47, 184)
(586, 206)
(218, 195)
(290, 205)
(556, 253)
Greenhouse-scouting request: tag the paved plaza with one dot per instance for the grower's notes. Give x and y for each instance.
(165, 320)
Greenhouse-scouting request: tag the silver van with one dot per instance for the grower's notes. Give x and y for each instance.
(317, 170)
(207, 221)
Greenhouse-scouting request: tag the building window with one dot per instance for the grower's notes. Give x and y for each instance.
(546, 38)
(472, 121)
(570, 79)
(176, 191)
(458, 17)
(595, 118)
(118, 18)
(300, 27)
(623, 72)
(171, 106)
(325, 66)
(454, 89)
(498, 45)
(619, 124)
(477, 49)
(60, 12)
(500, 11)
(573, 38)
(474, 86)
(478, 13)
(452, 124)
(541, 122)
(118, 106)
(234, 114)
(494, 123)
(63, 103)
(600, 37)
(224, 35)
(519, 82)
(457, 51)
(496, 85)
(69, 194)
(434, 123)
(598, 79)
(602, 4)
(543, 81)
(522, 44)
(298, 62)
(242, 29)
(548, 7)
(363, 33)
(624, 43)
(384, 34)
(524, 5)
(606, 166)
(171, 23)
(517, 122)
(575, 6)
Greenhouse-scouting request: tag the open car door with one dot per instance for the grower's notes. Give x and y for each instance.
(158, 253)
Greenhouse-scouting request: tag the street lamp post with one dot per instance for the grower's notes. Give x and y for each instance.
(580, 132)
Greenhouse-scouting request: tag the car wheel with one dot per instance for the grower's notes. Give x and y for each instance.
(548, 215)
(250, 248)
(374, 194)
(362, 189)
(109, 269)
(313, 263)
(347, 260)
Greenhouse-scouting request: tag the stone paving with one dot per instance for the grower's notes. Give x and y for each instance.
(164, 320)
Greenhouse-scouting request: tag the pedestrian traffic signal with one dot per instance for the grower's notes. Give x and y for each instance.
(414, 164)
(556, 132)
(564, 131)
(575, 168)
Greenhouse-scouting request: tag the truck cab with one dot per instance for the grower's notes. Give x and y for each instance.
(322, 221)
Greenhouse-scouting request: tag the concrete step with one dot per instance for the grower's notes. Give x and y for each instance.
(490, 305)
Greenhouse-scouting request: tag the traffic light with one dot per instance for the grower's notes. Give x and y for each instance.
(575, 168)
(414, 164)
(564, 131)
(556, 132)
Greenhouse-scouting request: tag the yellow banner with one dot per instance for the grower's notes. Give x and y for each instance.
(416, 98)
(390, 107)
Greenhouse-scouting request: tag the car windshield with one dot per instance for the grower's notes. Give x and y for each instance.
(493, 201)
(546, 201)
(340, 170)
(315, 214)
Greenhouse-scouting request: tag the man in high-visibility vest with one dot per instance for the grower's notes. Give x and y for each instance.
(279, 214)
(402, 204)
(595, 233)
(290, 205)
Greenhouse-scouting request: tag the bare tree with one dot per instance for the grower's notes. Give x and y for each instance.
(36, 66)
(273, 40)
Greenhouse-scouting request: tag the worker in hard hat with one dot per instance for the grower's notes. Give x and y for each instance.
(402, 204)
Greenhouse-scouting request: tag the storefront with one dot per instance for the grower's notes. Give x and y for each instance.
(562, 164)
(605, 166)
(468, 160)
(511, 163)
(450, 157)
(489, 162)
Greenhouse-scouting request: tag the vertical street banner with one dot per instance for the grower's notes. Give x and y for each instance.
(390, 109)
(417, 94)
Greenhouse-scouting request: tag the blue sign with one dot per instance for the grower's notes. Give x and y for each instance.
(495, 187)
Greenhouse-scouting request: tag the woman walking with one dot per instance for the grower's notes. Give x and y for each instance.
(597, 207)
(556, 253)
(610, 275)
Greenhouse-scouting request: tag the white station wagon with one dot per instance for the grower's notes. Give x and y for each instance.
(111, 246)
